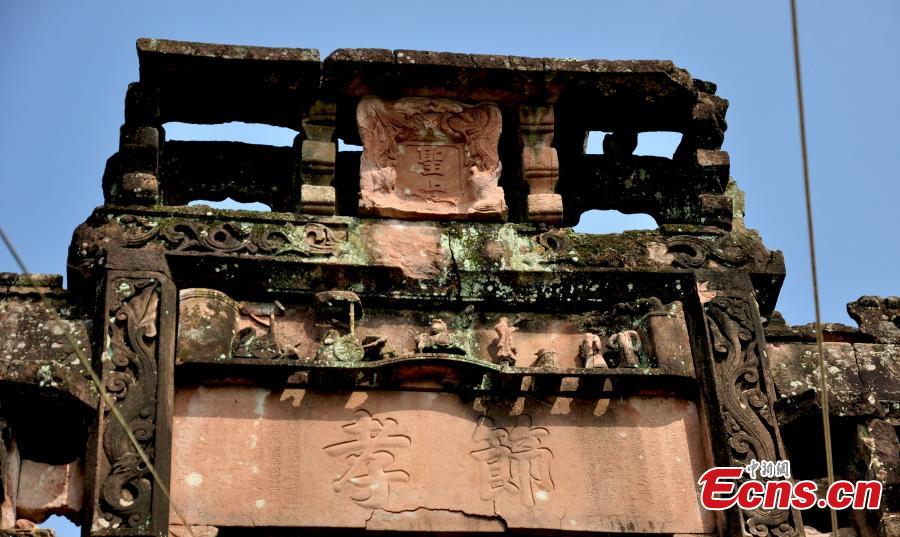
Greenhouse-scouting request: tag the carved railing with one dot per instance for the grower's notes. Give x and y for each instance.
(548, 106)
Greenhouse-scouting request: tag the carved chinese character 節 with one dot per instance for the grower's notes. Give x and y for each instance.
(513, 460)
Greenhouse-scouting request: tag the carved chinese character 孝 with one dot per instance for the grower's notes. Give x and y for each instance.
(366, 477)
(512, 460)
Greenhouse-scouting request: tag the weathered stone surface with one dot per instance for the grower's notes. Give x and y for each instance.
(418, 250)
(864, 395)
(877, 317)
(889, 526)
(876, 453)
(795, 371)
(46, 489)
(504, 257)
(204, 83)
(9, 477)
(208, 83)
(842, 532)
(27, 532)
(38, 348)
(540, 164)
(231, 466)
(193, 531)
(331, 368)
(364, 71)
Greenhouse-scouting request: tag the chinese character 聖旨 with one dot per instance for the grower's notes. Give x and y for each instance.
(432, 160)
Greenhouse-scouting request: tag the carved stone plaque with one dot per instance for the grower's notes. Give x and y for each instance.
(430, 158)
(431, 461)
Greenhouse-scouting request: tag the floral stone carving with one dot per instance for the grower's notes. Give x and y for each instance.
(431, 158)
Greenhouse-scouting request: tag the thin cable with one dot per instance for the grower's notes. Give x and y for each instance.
(823, 379)
(110, 403)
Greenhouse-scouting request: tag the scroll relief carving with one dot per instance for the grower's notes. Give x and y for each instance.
(434, 158)
(513, 461)
(694, 252)
(746, 406)
(373, 446)
(131, 380)
(309, 240)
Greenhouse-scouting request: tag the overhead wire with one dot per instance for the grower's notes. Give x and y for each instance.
(823, 381)
(807, 190)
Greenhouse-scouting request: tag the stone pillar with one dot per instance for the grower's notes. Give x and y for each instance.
(736, 383)
(121, 494)
(540, 164)
(140, 139)
(318, 153)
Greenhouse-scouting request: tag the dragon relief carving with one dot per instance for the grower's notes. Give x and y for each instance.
(746, 407)
(132, 382)
(311, 240)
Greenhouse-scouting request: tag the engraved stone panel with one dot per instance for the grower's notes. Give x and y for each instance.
(430, 158)
(246, 456)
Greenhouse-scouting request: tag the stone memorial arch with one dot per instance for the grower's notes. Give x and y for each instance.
(414, 339)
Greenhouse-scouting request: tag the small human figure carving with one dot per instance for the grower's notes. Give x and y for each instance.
(439, 339)
(547, 358)
(340, 310)
(627, 342)
(506, 351)
(591, 352)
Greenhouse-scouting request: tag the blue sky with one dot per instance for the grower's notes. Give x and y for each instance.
(65, 67)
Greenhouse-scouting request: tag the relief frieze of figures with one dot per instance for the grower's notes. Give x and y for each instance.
(334, 328)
